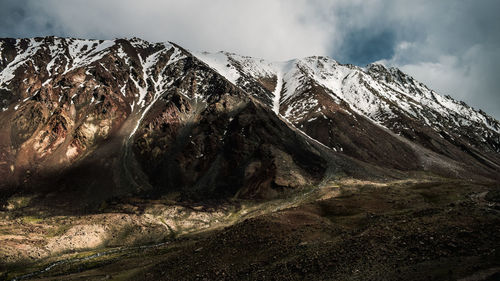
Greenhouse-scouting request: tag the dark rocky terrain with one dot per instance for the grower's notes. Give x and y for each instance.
(406, 230)
(249, 169)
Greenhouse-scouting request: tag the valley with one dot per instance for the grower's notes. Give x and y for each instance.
(349, 230)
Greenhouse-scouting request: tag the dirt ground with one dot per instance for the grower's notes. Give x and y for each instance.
(350, 230)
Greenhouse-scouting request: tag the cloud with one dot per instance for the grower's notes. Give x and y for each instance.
(471, 76)
(272, 29)
(450, 45)
(360, 47)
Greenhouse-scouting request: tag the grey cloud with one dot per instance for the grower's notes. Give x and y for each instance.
(361, 47)
(452, 46)
(20, 19)
(270, 29)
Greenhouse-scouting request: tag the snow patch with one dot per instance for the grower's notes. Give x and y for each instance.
(220, 63)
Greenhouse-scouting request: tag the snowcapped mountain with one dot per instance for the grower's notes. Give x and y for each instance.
(351, 84)
(306, 91)
(101, 118)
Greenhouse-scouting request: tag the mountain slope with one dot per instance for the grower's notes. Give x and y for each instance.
(339, 105)
(132, 160)
(95, 119)
(87, 120)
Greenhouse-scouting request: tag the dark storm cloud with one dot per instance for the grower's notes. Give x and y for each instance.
(11, 13)
(361, 47)
(19, 18)
(451, 45)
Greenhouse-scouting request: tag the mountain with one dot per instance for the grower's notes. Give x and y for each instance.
(358, 111)
(125, 159)
(83, 121)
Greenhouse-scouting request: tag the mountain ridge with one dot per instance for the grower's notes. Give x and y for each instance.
(68, 104)
(145, 161)
(167, 44)
(381, 113)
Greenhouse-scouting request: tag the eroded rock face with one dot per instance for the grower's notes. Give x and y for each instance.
(64, 103)
(86, 120)
(93, 119)
(206, 148)
(376, 114)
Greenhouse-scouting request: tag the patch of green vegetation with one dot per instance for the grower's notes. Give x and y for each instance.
(31, 219)
(82, 265)
(18, 202)
(17, 268)
(58, 231)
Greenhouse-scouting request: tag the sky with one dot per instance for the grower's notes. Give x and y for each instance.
(453, 46)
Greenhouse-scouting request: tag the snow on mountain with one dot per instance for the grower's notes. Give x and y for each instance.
(66, 55)
(374, 91)
(221, 63)
(304, 91)
(379, 93)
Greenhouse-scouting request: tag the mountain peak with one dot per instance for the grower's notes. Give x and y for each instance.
(68, 103)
